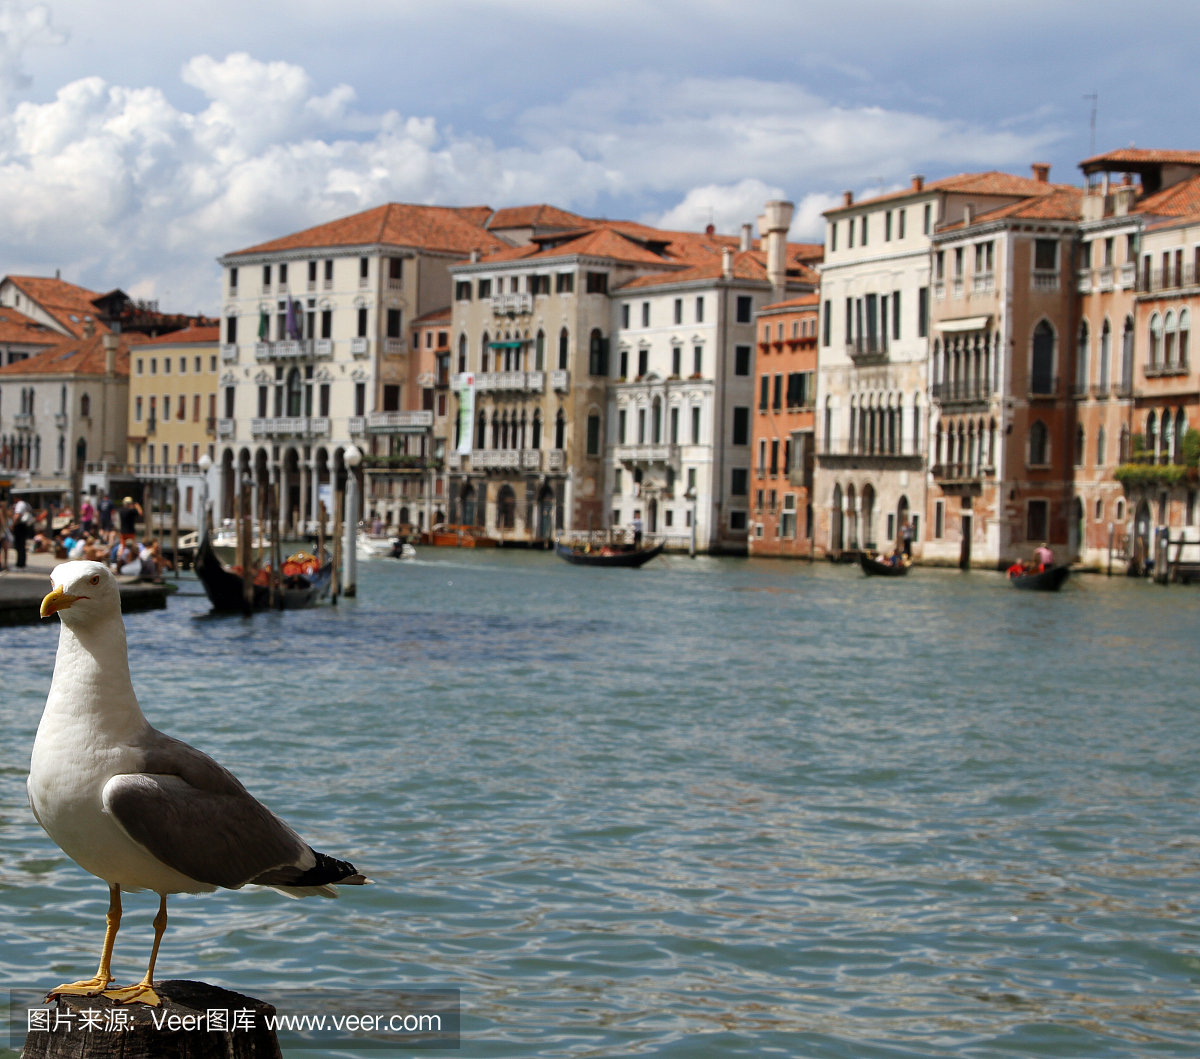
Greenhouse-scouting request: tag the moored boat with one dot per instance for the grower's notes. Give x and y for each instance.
(1046, 581)
(444, 535)
(609, 555)
(876, 567)
(224, 586)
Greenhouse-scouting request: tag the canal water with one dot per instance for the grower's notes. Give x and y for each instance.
(709, 808)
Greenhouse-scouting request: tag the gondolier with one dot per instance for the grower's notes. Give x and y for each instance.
(638, 526)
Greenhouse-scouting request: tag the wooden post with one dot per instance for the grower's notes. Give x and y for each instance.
(1178, 554)
(175, 529)
(320, 533)
(278, 546)
(191, 1001)
(268, 527)
(1111, 531)
(338, 504)
(247, 540)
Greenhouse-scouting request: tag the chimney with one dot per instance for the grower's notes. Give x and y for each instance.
(58, 273)
(747, 237)
(710, 229)
(474, 254)
(918, 182)
(847, 198)
(110, 354)
(89, 328)
(777, 216)
(969, 214)
(1041, 172)
(727, 262)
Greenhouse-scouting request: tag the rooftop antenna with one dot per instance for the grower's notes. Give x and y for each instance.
(1095, 98)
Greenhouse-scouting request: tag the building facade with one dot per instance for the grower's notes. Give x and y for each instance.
(783, 441)
(315, 348)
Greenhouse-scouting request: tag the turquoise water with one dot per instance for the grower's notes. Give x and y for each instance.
(709, 808)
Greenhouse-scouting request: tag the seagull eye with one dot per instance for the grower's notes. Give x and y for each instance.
(96, 580)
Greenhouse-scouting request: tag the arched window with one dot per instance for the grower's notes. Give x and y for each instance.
(1105, 353)
(828, 425)
(560, 430)
(62, 403)
(62, 453)
(1169, 340)
(916, 433)
(1167, 455)
(85, 405)
(81, 454)
(937, 459)
(536, 441)
(597, 353)
(1154, 351)
(539, 352)
(1120, 509)
(481, 431)
(495, 430)
(1123, 446)
(1151, 440)
(295, 393)
(485, 353)
(1181, 345)
(1100, 444)
(1127, 356)
(656, 422)
(853, 425)
(939, 373)
(1081, 358)
(1038, 444)
(564, 350)
(1041, 376)
(1080, 441)
(991, 453)
(836, 519)
(462, 354)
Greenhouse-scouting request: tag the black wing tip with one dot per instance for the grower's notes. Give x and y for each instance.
(326, 871)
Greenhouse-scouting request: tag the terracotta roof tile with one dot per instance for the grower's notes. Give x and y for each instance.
(1062, 204)
(395, 224)
(536, 216)
(993, 182)
(1176, 201)
(75, 356)
(20, 330)
(1141, 156)
(188, 336)
(438, 316)
(805, 301)
(62, 300)
(747, 265)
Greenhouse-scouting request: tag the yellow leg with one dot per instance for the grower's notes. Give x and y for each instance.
(94, 986)
(143, 992)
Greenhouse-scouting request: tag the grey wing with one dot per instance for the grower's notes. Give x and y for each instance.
(223, 838)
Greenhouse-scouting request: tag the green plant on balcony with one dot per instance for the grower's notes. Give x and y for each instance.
(1168, 474)
(392, 462)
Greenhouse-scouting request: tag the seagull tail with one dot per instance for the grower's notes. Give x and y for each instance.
(317, 881)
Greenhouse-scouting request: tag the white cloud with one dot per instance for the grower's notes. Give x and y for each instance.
(118, 185)
(19, 28)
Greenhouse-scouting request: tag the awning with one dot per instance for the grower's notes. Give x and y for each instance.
(964, 323)
(505, 345)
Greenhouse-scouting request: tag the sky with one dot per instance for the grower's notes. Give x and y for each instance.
(139, 140)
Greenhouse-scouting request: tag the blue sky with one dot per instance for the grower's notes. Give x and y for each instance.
(139, 140)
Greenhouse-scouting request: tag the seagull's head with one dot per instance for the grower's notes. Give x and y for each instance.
(83, 593)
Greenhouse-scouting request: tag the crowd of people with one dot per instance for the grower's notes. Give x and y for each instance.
(103, 533)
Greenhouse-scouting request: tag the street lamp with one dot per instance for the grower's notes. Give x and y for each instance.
(351, 457)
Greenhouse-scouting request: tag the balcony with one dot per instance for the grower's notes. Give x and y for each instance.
(533, 381)
(506, 459)
(360, 346)
(512, 304)
(1083, 281)
(1045, 279)
(152, 425)
(939, 289)
(1122, 390)
(956, 290)
(961, 473)
(454, 460)
(229, 353)
(60, 420)
(364, 282)
(1161, 370)
(23, 420)
(1043, 389)
(290, 426)
(556, 460)
(395, 283)
(227, 428)
(981, 282)
(962, 391)
(646, 453)
(1127, 275)
(1100, 391)
(158, 472)
(393, 346)
(292, 349)
(210, 425)
(327, 283)
(868, 349)
(560, 380)
(398, 422)
(1161, 279)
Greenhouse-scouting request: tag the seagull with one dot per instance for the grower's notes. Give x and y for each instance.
(135, 807)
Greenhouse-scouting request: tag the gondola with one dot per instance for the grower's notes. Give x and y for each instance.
(224, 587)
(617, 556)
(1047, 581)
(878, 568)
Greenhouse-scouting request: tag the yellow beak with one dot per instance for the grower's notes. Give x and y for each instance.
(59, 599)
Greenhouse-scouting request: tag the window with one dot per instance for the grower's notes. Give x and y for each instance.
(462, 290)
(926, 225)
(697, 361)
(564, 343)
(737, 520)
(229, 393)
(1079, 445)
(597, 283)
(266, 276)
(1037, 520)
(864, 230)
(1038, 444)
(700, 310)
(643, 363)
(676, 360)
(833, 235)
(741, 425)
(137, 409)
(393, 319)
(362, 323)
(850, 233)
(625, 316)
(154, 365)
(233, 278)
(283, 275)
(777, 402)
(695, 425)
(326, 323)
(621, 420)
(360, 398)
(745, 307)
(741, 360)
(679, 310)
(262, 402)
(363, 267)
(674, 438)
(774, 458)
(739, 482)
(827, 325)
(166, 406)
(923, 312)
(764, 390)
(1045, 254)
(1100, 446)
(597, 353)
(485, 288)
(645, 314)
(958, 262)
(593, 435)
(395, 268)
(1041, 379)
(887, 227)
(230, 329)
(539, 284)
(139, 366)
(564, 282)
(939, 508)
(896, 314)
(900, 224)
